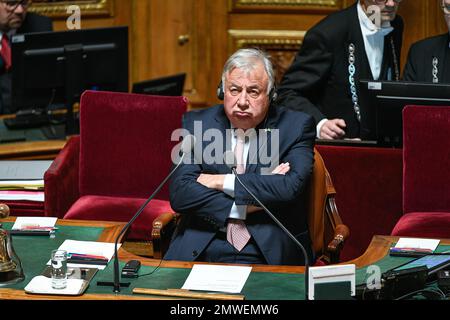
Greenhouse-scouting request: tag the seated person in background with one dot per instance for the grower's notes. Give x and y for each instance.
(429, 59)
(220, 221)
(345, 47)
(14, 19)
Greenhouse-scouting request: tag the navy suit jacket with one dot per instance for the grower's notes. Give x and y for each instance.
(419, 66)
(204, 210)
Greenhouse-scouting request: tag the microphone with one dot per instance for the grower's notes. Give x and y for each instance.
(230, 161)
(186, 146)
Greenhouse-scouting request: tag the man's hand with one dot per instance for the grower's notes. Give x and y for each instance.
(282, 169)
(212, 181)
(332, 129)
(253, 209)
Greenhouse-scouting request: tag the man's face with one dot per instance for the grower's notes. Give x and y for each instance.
(11, 15)
(388, 8)
(246, 101)
(446, 9)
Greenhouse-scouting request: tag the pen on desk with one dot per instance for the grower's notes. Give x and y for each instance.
(86, 256)
(52, 129)
(88, 261)
(411, 249)
(30, 232)
(38, 228)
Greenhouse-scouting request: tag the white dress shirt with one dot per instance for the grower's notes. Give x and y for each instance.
(373, 40)
(10, 33)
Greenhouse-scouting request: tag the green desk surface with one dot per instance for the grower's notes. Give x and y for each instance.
(34, 253)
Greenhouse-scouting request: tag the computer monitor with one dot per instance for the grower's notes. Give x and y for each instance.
(51, 68)
(167, 86)
(384, 102)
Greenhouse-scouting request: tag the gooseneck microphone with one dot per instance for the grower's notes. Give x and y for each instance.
(230, 161)
(186, 146)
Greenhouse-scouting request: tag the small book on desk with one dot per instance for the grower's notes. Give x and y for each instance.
(414, 247)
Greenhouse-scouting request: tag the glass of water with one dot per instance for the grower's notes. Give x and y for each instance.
(59, 269)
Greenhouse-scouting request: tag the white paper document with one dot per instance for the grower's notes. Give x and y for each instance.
(417, 244)
(230, 279)
(104, 249)
(22, 183)
(34, 222)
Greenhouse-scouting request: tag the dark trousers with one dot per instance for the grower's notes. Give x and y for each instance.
(220, 250)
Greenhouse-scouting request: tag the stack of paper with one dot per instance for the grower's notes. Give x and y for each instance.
(29, 226)
(22, 180)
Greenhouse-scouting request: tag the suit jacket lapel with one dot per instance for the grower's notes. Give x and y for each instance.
(264, 138)
(443, 54)
(388, 52)
(223, 125)
(386, 62)
(356, 37)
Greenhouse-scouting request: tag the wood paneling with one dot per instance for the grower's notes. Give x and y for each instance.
(197, 36)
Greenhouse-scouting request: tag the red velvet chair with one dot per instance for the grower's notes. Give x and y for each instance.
(121, 156)
(368, 182)
(426, 173)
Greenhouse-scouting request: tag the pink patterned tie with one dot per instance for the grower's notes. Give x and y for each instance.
(237, 233)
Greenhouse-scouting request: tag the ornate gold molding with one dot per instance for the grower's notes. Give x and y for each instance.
(281, 45)
(58, 8)
(285, 5)
(279, 39)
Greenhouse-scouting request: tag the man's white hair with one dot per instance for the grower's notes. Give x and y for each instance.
(245, 59)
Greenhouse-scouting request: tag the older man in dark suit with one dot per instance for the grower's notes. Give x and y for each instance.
(14, 19)
(429, 59)
(220, 221)
(360, 42)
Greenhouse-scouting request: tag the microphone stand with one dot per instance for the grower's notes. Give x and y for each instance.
(283, 228)
(116, 284)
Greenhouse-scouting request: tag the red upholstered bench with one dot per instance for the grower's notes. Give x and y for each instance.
(19, 208)
(426, 167)
(368, 183)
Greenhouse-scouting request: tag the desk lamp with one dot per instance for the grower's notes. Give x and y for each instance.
(11, 270)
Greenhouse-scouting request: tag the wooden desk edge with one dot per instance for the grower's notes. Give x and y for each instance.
(31, 149)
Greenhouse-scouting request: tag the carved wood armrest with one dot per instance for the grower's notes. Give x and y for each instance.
(340, 235)
(162, 229)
